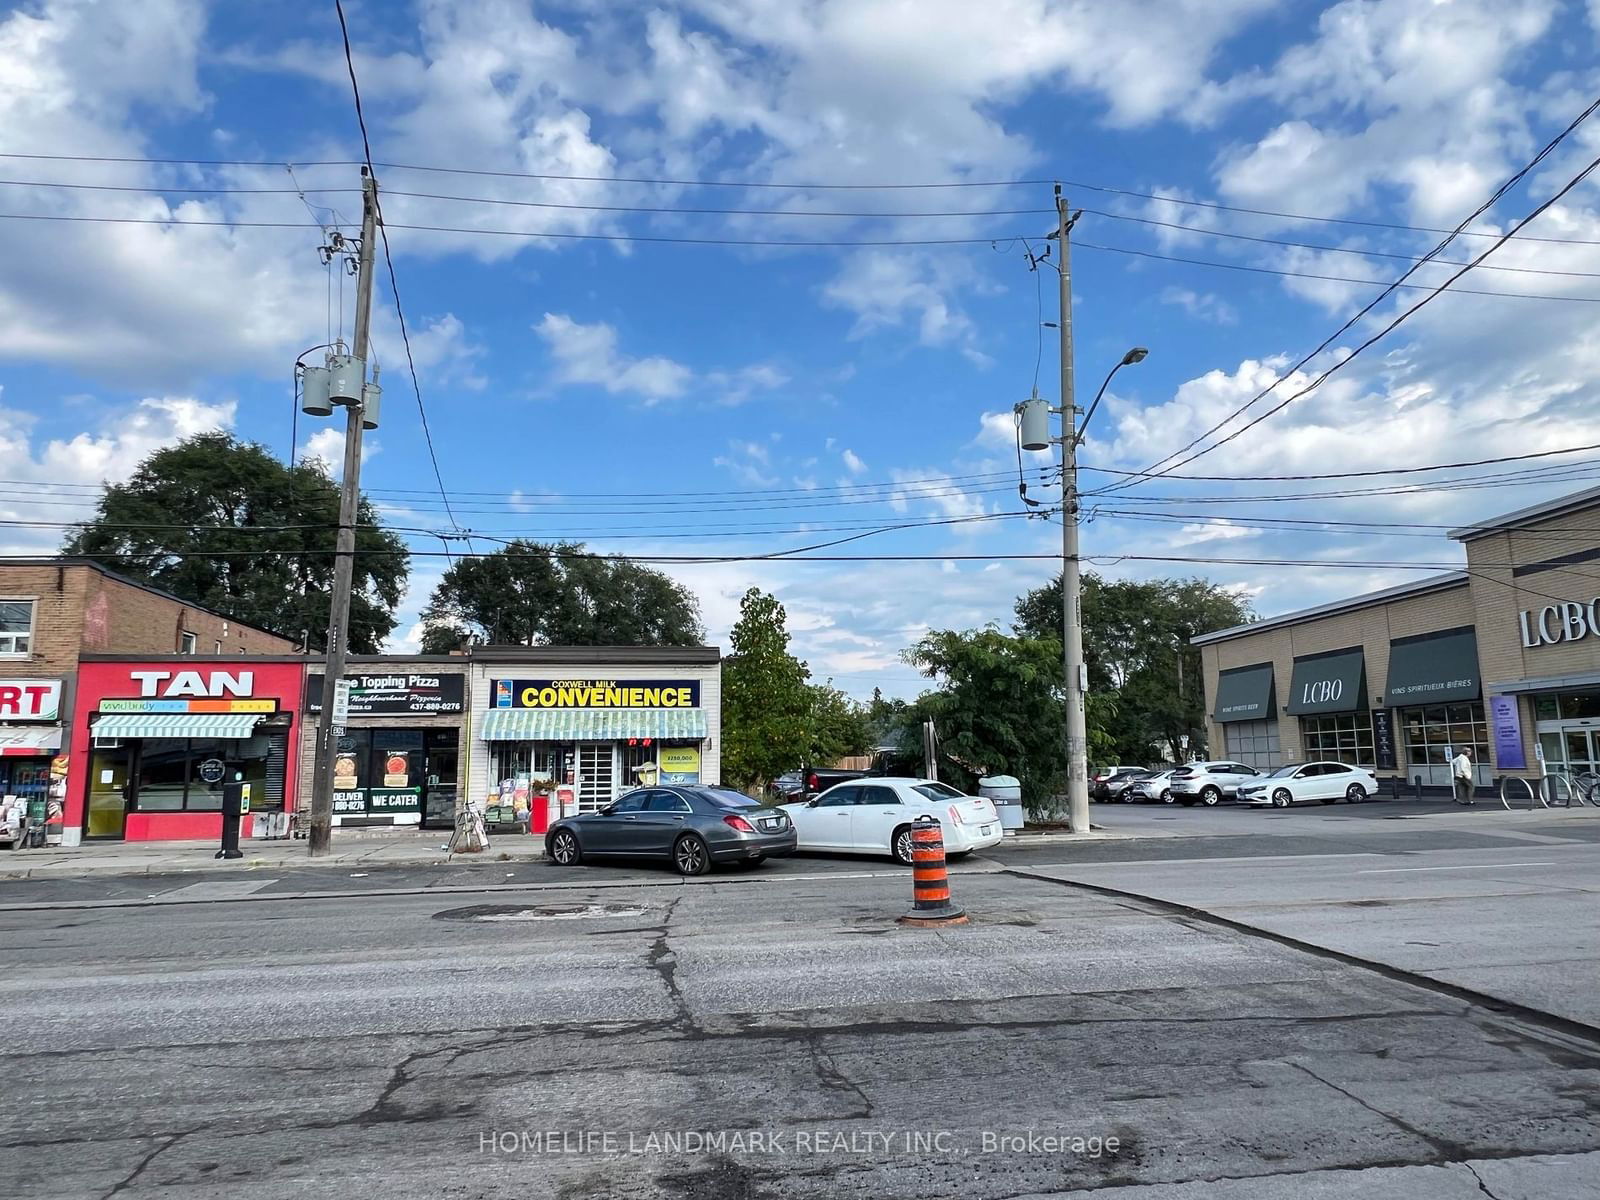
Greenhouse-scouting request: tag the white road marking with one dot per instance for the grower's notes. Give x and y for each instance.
(1463, 867)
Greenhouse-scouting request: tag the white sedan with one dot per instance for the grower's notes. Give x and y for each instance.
(1328, 782)
(874, 816)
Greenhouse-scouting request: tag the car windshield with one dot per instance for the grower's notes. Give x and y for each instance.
(938, 791)
(1286, 771)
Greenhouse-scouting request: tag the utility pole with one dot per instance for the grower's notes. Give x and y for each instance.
(318, 843)
(1077, 730)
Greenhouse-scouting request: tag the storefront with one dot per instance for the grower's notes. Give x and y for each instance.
(1502, 658)
(30, 736)
(154, 741)
(578, 726)
(398, 760)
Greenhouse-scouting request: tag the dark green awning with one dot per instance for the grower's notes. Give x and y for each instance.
(1245, 693)
(1434, 668)
(1328, 683)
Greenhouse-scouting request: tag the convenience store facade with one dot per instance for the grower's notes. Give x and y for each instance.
(1503, 657)
(587, 723)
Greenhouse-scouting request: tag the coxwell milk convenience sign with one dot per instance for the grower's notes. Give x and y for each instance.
(596, 693)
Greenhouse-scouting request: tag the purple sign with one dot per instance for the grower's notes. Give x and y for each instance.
(1506, 718)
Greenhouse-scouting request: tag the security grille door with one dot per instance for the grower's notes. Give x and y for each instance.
(596, 777)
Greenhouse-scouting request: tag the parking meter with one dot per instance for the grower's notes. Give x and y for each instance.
(235, 803)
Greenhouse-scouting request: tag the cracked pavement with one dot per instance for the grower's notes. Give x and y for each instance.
(390, 1045)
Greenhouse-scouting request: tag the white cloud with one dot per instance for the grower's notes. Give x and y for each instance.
(941, 490)
(886, 288)
(588, 354)
(749, 462)
(327, 444)
(1203, 306)
(852, 461)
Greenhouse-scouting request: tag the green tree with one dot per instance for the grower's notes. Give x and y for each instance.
(1136, 644)
(767, 702)
(998, 709)
(224, 524)
(557, 594)
(838, 726)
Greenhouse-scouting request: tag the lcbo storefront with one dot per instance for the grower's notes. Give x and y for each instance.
(1502, 658)
(571, 728)
(154, 741)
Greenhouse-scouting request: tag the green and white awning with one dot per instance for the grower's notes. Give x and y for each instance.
(176, 725)
(591, 724)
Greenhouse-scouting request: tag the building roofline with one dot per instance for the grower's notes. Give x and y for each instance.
(604, 655)
(1549, 508)
(1417, 587)
(75, 560)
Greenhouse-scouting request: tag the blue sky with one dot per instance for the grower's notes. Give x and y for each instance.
(691, 399)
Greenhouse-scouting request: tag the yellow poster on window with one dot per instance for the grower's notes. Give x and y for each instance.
(680, 764)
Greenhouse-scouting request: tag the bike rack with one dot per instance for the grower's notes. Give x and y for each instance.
(1526, 786)
(1547, 792)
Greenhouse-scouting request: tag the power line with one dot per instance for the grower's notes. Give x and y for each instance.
(1268, 241)
(1476, 462)
(1499, 241)
(388, 259)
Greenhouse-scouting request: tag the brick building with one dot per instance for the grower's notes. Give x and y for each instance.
(1503, 656)
(55, 610)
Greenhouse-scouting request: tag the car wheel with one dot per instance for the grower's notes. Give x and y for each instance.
(1281, 798)
(690, 856)
(1166, 796)
(1209, 797)
(563, 848)
(1355, 793)
(900, 845)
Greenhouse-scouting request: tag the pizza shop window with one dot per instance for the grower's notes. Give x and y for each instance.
(16, 628)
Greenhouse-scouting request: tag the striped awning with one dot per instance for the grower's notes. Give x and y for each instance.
(591, 724)
(176, 725)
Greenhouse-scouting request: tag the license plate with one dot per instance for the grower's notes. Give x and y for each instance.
(771, 825)
(985, 830)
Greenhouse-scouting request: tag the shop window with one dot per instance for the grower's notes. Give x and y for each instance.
(1254, 743)
(16, 627)
(1341, 737)
(163, 774)
(1568, 706)
(170, 775)
(1438, 732)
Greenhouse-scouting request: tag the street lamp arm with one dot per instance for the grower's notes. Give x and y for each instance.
(1137, 354)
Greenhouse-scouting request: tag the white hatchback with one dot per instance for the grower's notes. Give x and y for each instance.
(874, 816)
(1328, 782)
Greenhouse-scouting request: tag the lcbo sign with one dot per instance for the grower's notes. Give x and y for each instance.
(1565, 622)
(1322, 691)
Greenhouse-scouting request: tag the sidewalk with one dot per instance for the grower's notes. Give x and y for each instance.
(351, 848)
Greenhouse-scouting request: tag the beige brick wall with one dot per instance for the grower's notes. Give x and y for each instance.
(1370, 628)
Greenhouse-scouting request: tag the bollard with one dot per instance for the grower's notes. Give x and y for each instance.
(930, 882)
(1416, 784)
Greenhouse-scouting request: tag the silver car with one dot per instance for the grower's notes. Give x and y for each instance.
(1157, 786)
(690, 827)
(1209, 782)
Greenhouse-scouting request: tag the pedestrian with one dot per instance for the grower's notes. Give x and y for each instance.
(1461, 775)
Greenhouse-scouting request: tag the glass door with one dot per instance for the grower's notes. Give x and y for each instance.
(596, 775)
(108, 793)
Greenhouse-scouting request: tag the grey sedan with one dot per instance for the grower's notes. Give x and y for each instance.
(691, 827)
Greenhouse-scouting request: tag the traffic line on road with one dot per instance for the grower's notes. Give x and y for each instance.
(1459, 867)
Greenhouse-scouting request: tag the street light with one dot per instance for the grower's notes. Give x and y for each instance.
(1136, 355)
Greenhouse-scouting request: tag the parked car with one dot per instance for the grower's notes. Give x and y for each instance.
(1328, 782)
(1209, 782)
(1152, 786)
(690, 827)
(1101, 783)
(1120, 790)
(875, 816)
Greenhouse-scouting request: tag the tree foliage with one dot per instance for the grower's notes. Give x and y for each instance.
(766, 697)
(998, 709)
(557, 594)
(224, 524)
(1136, 644)
(774, 718)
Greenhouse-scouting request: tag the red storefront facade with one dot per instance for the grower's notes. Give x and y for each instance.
(154, 739)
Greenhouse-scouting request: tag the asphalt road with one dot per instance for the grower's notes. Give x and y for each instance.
(588, 1042)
